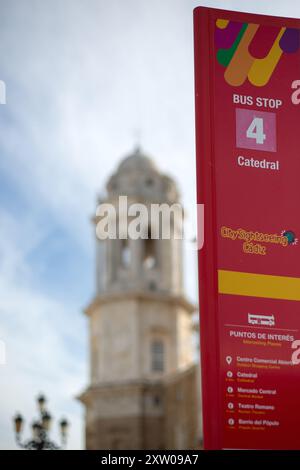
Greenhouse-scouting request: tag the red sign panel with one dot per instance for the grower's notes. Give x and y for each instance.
(247, 79)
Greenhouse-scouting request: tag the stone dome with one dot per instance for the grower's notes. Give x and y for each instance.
(138, 176)
(137, 161)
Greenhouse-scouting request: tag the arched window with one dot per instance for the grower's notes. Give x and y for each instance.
(149, 256)
(125, 253)
(157, 356)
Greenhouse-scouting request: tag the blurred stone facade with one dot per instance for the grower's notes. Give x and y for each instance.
(144, 388)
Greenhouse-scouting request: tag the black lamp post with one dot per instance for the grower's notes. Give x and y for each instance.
(40, 429)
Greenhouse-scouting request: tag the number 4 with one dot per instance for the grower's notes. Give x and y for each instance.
(256, 130)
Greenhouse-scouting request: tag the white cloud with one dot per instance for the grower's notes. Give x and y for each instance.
(44, 340)
(81, 78)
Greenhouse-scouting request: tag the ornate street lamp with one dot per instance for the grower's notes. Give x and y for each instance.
(40, 429)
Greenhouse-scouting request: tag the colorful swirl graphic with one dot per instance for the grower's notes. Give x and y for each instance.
(252, 51)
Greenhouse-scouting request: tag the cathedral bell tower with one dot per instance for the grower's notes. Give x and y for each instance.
(139, 321)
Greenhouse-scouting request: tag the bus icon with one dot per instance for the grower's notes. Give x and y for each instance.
(265, 320)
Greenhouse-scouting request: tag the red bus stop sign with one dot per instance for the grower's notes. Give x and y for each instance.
(247, 84)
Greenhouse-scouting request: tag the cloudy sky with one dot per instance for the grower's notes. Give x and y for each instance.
(84, 78)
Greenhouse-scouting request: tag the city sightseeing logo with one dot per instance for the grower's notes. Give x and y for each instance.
(252, 51)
